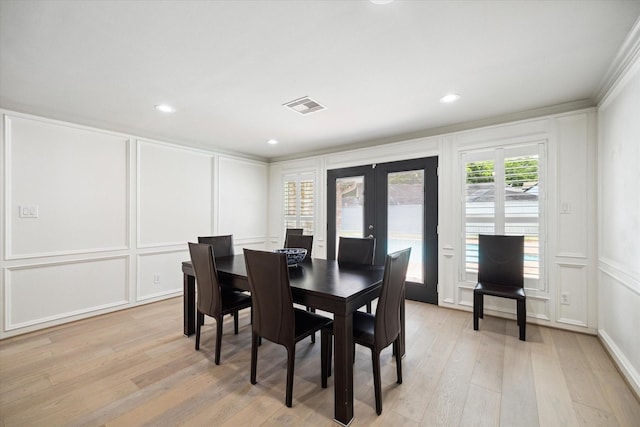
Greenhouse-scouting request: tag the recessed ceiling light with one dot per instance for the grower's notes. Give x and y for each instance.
(380, 1)
(165, 108)
(272, 141)
(452, 97)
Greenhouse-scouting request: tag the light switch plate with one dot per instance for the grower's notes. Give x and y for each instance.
(28, 211)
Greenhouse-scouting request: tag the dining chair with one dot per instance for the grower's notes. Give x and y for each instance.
(501, 274)
(222, 245)
(300, 241)
(274, 316)
(212, 300)
(291, 232)
(354, 250)
(378, 331)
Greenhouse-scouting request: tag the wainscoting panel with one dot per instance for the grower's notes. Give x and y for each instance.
(160, 274)
(573, 186)
(242, 198)
(67, 189)
(572, 307)
(174, 194)
(41, 293)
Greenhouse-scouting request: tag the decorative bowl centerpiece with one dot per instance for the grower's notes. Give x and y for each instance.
(294, 255)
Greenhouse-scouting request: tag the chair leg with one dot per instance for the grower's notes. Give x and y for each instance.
(199, 322)
(476, 309)
(522, 318)
(235, 322)
(396, 347)
(324, 357)
(375, 360)
(291, 358)
(369, 307)
(254, 356)
(218, 338)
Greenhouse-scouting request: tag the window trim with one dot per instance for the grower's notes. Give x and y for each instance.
(498, 155)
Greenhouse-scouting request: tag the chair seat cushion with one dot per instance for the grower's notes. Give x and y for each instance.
(234, 300)
(504, 291)
(363, 328)
(308, 323)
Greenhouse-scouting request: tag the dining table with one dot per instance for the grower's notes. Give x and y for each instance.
(320, 284)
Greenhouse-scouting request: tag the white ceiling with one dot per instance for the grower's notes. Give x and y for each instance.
(228, 66)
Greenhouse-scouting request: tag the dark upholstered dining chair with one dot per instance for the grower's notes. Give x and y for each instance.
(291, 232)
(212, 300)
(378, 331)
(300, 241)
(501, 274)
(353, 250)
(222, 245)
(274, 317)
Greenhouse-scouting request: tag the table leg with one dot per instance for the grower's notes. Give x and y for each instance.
(189, 308)
(343, 363)
(402, 327)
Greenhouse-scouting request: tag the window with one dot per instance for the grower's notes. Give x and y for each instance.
(298, 196)
(503, 194)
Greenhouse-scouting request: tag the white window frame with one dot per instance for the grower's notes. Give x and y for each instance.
(298, 219)
(498, 155)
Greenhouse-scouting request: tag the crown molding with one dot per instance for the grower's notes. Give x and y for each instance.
(627, 56)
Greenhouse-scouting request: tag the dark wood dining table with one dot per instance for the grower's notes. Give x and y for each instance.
(318, 283)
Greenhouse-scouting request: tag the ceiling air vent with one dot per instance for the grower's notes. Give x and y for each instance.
(304, 105)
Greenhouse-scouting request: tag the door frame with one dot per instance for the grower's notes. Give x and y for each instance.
(375, 213)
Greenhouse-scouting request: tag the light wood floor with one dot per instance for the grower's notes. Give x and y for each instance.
(136, 368)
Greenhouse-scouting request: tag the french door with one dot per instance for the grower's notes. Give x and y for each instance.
(397, 204)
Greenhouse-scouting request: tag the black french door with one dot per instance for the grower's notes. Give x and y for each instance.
(397, 204)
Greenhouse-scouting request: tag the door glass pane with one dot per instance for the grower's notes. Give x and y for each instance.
(349, 207)
(405, 218)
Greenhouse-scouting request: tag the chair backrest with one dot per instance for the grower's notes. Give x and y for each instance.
(387, 323)
(204, 266)
(501, 260)
(291, 232)
(272, 304)
(300, 241)
(353, 250)
(222, 245)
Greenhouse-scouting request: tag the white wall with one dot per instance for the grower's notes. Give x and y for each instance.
(569, 142)
(619, 222)
(114, 213)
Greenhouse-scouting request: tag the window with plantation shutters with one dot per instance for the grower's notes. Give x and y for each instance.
(502, 194)
(299, 202)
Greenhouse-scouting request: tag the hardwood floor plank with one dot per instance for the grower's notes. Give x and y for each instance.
(615, 390)
(581, 380)
(593, 417)
(518, 405)
(482, 408)
(555, 407)
(447, 404)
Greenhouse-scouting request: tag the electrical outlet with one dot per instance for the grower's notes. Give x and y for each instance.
(564, 298)
(156, 279)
